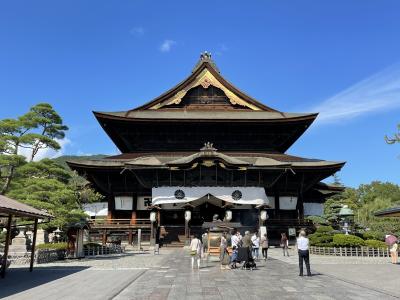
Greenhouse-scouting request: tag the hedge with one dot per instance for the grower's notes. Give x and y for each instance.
(375, 244)
(347, 240)
(55, 246)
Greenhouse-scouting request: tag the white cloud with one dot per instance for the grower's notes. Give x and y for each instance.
(221, 49)
(46, 153)
(167, 45)
(379, 92)
(137, 31)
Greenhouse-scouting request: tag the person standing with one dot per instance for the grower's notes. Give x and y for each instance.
(246, 241)
(394, 253)
(195, 251)
(304, 254)
(284, 244)
(204, 241)
(234, 240)
(255, 241)
(264, 246)
(223, 252)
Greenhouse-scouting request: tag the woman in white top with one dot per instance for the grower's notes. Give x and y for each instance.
(393, 253)
(195, 251)
(302, 247)
(256, 245)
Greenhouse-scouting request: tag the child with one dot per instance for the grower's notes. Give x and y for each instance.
(233, 257)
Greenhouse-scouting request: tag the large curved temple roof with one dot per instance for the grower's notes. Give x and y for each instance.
(170, 160)
(208, 98)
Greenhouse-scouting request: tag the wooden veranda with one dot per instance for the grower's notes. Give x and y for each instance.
(11, 209)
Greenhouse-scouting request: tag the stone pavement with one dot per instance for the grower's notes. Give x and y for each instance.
(168, 276)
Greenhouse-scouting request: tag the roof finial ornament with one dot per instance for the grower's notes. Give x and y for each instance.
(208, 147)
(205, 57)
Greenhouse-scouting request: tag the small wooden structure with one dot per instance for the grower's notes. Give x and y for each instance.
(11, 209)
(390, 212)
(214, 231)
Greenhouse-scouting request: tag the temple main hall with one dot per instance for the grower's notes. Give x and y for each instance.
(205, 150)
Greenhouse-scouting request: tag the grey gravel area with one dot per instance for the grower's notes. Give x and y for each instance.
(169, 276)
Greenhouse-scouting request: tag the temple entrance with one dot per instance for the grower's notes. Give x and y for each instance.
(205, 213)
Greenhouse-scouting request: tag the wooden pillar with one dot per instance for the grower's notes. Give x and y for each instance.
(109, 216)
(130, 237)
(133, 218)
(6, 246)
(104, 240)
(33, 245)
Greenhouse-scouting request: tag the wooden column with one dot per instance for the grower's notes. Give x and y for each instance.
(104, 239)
(130, 237)
(6, 246)
(133, 217)
(33, 245)
(109, 216)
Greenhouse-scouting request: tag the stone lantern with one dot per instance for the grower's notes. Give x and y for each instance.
(346, 217)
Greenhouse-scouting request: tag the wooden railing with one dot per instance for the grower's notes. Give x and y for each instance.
(119, 223)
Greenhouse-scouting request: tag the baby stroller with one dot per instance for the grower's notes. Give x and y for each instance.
(244, 255)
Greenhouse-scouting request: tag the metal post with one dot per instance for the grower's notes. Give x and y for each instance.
(33, 245)
(139, 237)
(6, 246)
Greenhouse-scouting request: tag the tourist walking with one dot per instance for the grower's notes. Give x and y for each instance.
(264, 246)
(255, 243)
(304, 254)
(195, 251)
(394, 253)
(284, 244)
(223, 252)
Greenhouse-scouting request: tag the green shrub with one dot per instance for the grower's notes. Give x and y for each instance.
(92, 245)
(322, 237)
(317, 220)
(325, 229)
(375, 244)
(343, 240)
(55, 246)
(373, 235)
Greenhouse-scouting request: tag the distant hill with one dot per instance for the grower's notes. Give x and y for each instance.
(62, 159)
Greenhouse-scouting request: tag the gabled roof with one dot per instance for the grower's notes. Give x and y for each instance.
(390, 212)
(10, 206)
(205, 73)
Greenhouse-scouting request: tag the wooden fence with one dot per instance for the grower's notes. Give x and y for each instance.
(351, 251)
(93, 250)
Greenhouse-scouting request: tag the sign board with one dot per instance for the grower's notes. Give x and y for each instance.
(292, 231)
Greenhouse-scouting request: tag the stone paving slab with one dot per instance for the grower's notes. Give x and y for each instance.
(169, 276)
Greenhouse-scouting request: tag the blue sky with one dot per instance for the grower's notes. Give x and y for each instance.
(341, 58)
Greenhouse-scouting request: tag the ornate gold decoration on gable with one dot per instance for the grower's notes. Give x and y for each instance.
(205, 79)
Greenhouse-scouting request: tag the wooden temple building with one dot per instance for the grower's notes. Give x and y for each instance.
(206, 147)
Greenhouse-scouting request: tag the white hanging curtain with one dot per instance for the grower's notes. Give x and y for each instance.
(238, 195)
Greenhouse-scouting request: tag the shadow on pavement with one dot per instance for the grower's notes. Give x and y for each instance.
(20, 279)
